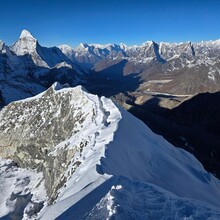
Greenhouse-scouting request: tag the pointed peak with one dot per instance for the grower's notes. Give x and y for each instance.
(26, 34)
(83, 45)
(148, 43)
(2, 44)
(65, 46)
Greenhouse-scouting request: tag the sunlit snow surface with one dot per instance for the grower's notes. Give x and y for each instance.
(20, 189)
(126, 172)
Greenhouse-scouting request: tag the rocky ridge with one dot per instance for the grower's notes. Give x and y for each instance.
(37, 132)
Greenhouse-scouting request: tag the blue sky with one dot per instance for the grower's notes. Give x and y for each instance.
(55, 22)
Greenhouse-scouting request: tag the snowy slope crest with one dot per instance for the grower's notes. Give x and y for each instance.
(60, 130)
(127, 199)
(26, 44)
(98, 161)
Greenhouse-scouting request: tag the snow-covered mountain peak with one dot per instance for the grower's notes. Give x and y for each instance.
(26, 34)
(65, 47)
(123, 46)
(68, 51)
(41, 56)
(148, 43)
(2, 45)
(82, 46)
(4, 49)
(26, 44)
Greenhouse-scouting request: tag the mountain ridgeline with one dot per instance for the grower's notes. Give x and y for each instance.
(178, 68)
(72, 153)
(148, 80)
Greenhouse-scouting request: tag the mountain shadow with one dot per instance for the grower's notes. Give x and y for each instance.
(194, 126)
(110, 80)
(62, 75)
(201, 111)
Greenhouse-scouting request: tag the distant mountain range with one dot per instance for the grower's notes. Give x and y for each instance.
(176, 68)
(71, 154)
(153, 76)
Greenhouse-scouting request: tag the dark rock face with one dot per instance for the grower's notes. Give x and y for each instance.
(31, 130)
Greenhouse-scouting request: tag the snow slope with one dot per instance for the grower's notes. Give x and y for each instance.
(146, 172)
(124, 171)
(22, 191)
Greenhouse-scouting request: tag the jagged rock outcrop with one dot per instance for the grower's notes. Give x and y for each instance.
(31, 130)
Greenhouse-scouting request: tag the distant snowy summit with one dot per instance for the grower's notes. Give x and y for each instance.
(82, 157)
(27, 43)
(28, 67)
(150, 49)
(89, 54)
(26, 34)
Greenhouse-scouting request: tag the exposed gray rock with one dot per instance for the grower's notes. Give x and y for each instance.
(30, 131)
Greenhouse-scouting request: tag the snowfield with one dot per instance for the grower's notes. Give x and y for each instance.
(125, 171)
(20, 190)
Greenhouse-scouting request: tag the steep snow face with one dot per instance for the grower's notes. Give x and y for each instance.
(105, 162)
(68, 51)
(25, 45)
(41, 56)
(127, 199)
(150, 158)
(2, 45)
(26, 34)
